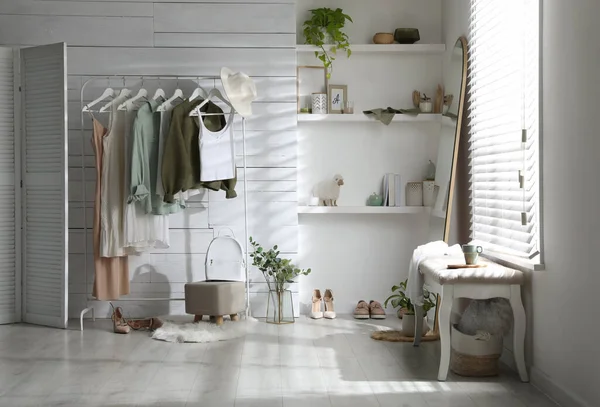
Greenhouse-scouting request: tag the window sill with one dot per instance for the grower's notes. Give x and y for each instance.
(517, 263)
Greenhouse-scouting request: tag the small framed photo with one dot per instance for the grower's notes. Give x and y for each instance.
(338, 95)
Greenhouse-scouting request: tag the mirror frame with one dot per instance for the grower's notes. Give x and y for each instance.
(461, 105)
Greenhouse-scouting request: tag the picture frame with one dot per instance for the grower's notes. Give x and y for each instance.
(309, 79)
(337, 95)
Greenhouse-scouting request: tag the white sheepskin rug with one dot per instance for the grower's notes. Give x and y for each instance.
(178, 331)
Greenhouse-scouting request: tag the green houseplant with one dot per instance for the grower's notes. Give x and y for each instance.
(399, 299)
(278, 273)
(325, 26)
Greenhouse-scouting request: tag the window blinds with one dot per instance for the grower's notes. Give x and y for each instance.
(504, 120)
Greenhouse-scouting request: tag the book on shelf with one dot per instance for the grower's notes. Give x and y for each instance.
(393, 190)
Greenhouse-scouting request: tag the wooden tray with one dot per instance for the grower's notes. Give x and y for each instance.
(466, 266)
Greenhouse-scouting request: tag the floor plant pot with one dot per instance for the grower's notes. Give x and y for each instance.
(280, 307)
(408, 325)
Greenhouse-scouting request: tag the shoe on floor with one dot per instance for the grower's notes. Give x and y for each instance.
(362, 310)
(328, 302)
(376, 310)
(316, 312)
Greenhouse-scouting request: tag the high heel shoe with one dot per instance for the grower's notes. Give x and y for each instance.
(151, 324)
(328, 301)
(120, 325)
(316, 312)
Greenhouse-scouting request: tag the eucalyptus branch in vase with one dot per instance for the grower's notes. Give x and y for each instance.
(278, 272)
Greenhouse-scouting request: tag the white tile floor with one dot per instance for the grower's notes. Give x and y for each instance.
(309, 364)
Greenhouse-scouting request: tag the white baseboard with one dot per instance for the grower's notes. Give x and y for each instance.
(556, 392)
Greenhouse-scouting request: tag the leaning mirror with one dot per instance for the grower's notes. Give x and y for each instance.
(455, 78)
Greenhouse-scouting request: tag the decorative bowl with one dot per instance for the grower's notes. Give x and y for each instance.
(406, 35)
(383, 38)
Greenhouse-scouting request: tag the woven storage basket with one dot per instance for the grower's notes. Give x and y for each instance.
(472, 357)
(474, 366)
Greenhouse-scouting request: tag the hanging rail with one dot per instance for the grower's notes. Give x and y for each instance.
(92, 78)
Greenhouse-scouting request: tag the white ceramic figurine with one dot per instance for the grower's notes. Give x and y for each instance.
(328, 191)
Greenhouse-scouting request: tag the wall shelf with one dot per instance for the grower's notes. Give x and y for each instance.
(353, 118)
(387, 48)
(360, 210)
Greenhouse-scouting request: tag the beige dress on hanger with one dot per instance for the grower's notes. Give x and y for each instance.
(111, 274)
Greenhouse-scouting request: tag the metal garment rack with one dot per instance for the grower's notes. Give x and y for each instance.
(144, 78)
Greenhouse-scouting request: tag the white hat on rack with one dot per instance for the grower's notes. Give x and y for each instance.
(240, 90)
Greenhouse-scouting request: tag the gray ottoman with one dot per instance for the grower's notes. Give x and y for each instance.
(215, 299)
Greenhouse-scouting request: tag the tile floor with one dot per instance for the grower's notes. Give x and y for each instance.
(309, 364)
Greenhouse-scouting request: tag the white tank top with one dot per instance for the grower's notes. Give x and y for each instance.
(217, 156)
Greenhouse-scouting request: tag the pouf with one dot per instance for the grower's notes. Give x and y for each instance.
(216, 299)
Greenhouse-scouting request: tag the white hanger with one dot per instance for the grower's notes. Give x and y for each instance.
(129, 104)
(159, 94)
(213, 93)
(124, 93)
(177, 95)
(199, 91)
(108, 92)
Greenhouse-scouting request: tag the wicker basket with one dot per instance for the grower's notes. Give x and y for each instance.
(472, 357)
(474, 366)
(414, 194)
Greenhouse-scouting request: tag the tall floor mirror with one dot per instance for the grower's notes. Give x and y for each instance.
(455, 81)
(455, 84)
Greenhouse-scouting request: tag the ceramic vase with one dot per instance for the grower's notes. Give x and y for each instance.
(408, 325)
(428, 193)
(319, 103)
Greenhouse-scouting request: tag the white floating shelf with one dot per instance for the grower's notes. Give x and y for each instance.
(358, 210)
(449, 121)
(397, 48)
(352, 118)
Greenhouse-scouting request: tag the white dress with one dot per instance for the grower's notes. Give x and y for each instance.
(217, 157)
(143, 231)
(112, 194)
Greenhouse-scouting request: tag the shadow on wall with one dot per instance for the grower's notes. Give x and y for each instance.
(147, 282)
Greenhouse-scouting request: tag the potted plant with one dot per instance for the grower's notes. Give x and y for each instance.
(325, 27)
(278, 273)
(399, 299)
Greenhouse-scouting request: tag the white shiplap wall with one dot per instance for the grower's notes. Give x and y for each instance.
(193, 38)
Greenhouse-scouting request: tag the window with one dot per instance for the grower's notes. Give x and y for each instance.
(504, 119)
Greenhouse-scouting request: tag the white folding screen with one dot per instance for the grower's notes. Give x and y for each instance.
(9, 236)
(45, 201)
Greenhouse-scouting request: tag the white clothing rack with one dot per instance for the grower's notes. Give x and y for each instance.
(84, 109)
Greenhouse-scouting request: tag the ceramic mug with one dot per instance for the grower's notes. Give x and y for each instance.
(471, 253)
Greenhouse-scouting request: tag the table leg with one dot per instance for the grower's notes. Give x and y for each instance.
(520, 326)
(418, 325)
(447, 298)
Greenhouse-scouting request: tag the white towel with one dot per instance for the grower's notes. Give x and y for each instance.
(414, 287)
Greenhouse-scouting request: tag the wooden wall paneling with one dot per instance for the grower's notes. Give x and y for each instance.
(77, 8)
(191, 1)
(77, 30)
(87, 60)
(195, 216)
(263, 214)
(224, 40)
(190, 241)
(225, 18)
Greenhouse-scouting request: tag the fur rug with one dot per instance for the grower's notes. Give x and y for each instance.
(179, 331)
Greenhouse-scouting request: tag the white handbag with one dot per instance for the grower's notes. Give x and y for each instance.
(224, 259)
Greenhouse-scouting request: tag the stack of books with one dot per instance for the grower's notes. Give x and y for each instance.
(393, 190)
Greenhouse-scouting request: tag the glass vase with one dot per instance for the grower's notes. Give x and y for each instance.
(280, 307)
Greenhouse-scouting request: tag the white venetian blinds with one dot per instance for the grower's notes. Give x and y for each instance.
(504, 120)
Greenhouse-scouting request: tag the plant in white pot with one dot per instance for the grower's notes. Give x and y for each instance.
(406, 311)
